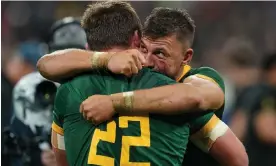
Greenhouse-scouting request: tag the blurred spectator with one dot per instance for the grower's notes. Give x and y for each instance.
(24, 61)
(32, 50)
(67, 33)
(255, 118)
(33, 98)
(237, 60)
(16, 67)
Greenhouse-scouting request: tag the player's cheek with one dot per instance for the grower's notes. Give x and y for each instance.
(161, 65)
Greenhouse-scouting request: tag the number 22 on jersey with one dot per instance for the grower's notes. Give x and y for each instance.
(110, 135)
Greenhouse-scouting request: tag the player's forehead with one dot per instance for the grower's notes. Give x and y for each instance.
(156, 43)
(168, 42)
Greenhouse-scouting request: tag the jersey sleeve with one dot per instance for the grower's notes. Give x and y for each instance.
(67, 101)
(59, 109)
(199, 121)
(205, 130)
(211, 75)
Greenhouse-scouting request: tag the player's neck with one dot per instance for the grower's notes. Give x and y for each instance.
(180, 73)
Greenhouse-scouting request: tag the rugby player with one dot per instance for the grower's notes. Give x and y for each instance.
(136, 140)
(174, 64)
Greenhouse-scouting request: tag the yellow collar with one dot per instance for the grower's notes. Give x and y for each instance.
(186, 69)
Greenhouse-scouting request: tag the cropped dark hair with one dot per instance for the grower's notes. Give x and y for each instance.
(110, 23)
(163, 22)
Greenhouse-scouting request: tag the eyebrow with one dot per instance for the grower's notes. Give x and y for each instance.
(159, 47)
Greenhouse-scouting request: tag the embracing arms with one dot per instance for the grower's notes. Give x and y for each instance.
(63, 64)
(194, 94)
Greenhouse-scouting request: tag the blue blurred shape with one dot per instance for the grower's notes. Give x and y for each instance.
(31, 51)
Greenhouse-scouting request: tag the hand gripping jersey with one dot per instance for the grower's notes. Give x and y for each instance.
(195, 156)
(126, 140)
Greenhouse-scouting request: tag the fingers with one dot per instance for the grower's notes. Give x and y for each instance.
(134, 68)
(92, 120)
(127, 70)
(97, 109)
(82, 110)
(141, 57)
(137, 61)
(84, 116)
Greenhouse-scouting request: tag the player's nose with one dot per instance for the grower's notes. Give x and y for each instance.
(149, 60)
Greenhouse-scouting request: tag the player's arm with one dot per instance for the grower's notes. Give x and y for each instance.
(217, 139)
(64, 101)
(63, 64)
(57, 140)
(57, 136)
(196, 93)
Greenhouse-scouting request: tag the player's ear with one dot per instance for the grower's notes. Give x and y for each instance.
(188, 55)
(136, 39)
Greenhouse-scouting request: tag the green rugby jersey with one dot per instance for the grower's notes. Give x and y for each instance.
(194, 156)
(135, 140)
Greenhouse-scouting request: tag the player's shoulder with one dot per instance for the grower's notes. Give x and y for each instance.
(83, 82)
(150, 73)
(209, 74)
(86, 79)
(205, 70)
(148, 78)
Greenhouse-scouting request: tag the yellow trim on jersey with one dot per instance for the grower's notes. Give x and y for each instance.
(210, 125)
(205, 138)
(57, 140)
(186, 69)
(202, 135)
(57, 128)
(207, 78)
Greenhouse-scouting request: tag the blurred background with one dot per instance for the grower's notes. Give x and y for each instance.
(235, 38)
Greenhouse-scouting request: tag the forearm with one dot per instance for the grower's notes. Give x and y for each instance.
(64, 64)
(60, 157)
(170, 99)
(58, 147)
